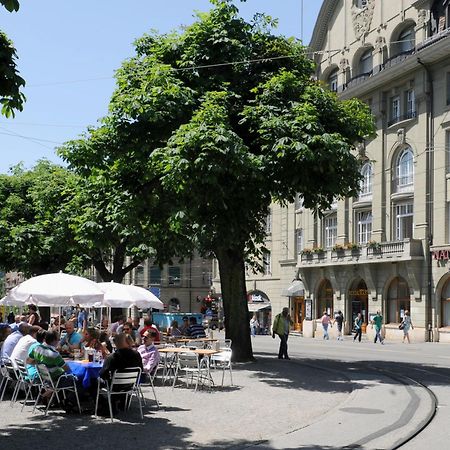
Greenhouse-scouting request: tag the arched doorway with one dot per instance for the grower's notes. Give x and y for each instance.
(325, 299)
(358, 295)
(398, 300)
(445, 305)
(299, 312)
(259, 305)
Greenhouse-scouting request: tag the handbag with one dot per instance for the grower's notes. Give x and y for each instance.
(401, 326)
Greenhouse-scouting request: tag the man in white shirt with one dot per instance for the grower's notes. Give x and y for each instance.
(21, 349)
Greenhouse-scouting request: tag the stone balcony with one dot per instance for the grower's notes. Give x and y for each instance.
(406, 250)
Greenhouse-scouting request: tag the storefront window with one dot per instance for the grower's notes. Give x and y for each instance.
(398, 300)
(325, 299)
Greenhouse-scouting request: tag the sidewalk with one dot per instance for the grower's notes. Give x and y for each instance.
(273, 404)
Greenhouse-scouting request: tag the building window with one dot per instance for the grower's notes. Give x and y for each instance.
(448, 88)
(299, 241)
(366, 182)
(268, 223)
(139, 276)
(174, 275)
(298, 202)
(395, 109)
(406, 40)
(410, 104)
(405, 171)
(447, 151)
(333, 80)
(365, 63)
(330, 230)
(364, 226)
(404, 218)
(155, 275)
(267, 262)
(398, 300)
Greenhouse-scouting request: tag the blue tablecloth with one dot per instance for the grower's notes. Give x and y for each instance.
(86, 372)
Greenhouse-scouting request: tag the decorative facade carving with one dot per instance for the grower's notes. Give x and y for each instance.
(422, 18)
(343, 64)
(380, 42)
(362, 18)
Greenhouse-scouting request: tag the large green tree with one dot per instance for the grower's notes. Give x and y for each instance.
(35, 237)
(11, 97)
(229, 117)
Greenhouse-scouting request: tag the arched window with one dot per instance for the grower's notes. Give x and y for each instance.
(445, 305)
(365, 65)
(405, 170)
(365, 188)
(398, 300)
(333, 80)
(325, 299)
(406, 40)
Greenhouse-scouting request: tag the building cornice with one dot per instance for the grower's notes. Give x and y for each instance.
(321, 27)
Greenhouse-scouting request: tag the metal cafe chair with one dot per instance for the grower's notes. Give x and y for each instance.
(9, 374)
(123, 382)
(65, 383)
(25, 382)
(222, 361)
(188, 364)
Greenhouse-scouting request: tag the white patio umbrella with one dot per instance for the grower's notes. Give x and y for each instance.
(57, 289)
(127, 295)
(5, 301)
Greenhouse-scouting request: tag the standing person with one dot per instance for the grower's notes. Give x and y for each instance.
(254, 325)
(339, 321)
(358, 327)
(378, 322)
(407, 324)
(33, 316)
(326, 322)
(82, 319)
(281, 326)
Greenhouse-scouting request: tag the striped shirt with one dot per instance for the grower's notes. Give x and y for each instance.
(196, 330)
(50, 357)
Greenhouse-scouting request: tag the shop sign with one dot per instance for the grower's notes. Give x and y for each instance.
(358, 292)
(308, 309)
(256, 298)
(441, 255)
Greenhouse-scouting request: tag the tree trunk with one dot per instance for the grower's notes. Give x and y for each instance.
(234, 295)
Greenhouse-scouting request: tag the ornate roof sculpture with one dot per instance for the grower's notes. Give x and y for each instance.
(362, 13)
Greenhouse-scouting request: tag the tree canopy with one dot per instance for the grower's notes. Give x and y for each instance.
(229, 118)
(11, 97)
(208, 126)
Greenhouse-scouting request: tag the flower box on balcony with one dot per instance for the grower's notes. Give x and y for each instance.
(353, 246)
(374, 245)
(338, 248)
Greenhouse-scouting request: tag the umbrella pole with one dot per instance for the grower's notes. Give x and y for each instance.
(101, 318)
(59, 321)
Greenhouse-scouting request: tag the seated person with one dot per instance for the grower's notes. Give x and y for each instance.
(185, 326)
(20, 351)
(124, 357)
(114, 328)
(71, 340)
(91, 339)
(173, 330)
(149, 353)
(195, 329)
(149, 325)
(47, 355)
(31, 368)
(13, 338)
(128, 330)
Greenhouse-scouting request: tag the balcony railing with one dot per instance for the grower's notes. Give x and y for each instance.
(384, 251)
(401, 118)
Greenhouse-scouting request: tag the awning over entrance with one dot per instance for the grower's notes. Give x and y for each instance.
(295, 289)
(253, 307)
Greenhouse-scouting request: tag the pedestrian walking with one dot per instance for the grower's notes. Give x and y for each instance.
(339, 321)
(405, 325)
(254, 325)
(358, 327)
(377, 321)
(326, 322)
(281, 326)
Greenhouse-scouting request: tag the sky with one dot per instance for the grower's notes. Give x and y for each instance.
(68, 51)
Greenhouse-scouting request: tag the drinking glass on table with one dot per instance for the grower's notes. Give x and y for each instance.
(76, 353)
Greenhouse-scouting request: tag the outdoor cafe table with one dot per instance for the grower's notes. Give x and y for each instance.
(85, 371)
(199, 351)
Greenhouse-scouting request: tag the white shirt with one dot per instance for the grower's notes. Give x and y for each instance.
(21, 349)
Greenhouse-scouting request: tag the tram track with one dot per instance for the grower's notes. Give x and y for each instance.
(419, 396)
